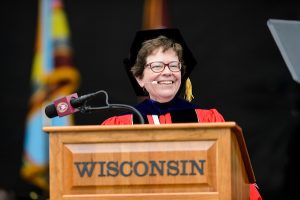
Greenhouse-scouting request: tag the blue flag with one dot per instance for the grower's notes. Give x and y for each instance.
(53, 76)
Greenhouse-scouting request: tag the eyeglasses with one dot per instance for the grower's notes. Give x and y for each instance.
(158, 67)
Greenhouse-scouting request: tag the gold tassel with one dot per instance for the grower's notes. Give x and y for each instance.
(188, 90)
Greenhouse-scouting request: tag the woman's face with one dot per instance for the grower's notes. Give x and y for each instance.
(162, 86)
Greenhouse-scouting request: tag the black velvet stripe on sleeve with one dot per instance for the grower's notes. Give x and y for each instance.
(184, 116)
(136, 119)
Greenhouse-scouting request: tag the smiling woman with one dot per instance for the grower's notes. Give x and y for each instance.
(159, 62)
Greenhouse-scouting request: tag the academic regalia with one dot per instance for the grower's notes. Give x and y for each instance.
(177, 110)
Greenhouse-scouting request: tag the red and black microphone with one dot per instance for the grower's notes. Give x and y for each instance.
(67, 105)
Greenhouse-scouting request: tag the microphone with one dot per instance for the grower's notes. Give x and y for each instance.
(67, 105)
(152, 82)
(70, 104)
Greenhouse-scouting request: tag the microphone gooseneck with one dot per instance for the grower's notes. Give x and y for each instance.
(72, 104)
(78, 102)
(86, 109)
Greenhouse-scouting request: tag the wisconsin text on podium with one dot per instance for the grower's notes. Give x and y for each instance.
(141, 168)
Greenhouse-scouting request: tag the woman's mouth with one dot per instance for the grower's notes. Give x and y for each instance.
(167, 82)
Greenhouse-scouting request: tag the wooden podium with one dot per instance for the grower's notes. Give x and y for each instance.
(171, 162)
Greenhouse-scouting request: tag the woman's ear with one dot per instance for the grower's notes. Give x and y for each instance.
(140, 81)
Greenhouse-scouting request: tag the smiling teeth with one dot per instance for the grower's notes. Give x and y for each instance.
(165, 82)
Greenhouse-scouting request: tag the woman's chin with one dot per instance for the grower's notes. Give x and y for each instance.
(164, 97)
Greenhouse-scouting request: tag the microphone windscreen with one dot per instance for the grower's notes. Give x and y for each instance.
(50, 111)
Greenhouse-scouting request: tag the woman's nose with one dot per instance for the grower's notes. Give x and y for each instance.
(166, 70)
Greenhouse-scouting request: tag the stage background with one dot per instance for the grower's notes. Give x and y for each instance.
(240, 72)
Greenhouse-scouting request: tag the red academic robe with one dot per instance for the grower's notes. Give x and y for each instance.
(211, 115)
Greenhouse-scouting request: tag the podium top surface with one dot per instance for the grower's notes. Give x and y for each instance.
(53, 129)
